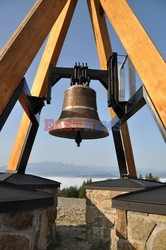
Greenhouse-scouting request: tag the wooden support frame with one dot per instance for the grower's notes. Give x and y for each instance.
(123, 148)
(19, 52)
(50, 55)
(145, 57)
(44, 13)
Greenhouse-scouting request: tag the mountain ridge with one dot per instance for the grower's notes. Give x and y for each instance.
(47, 168)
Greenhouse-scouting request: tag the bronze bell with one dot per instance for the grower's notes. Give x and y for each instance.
(79, 118)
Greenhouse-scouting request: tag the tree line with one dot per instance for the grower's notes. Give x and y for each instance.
(80, 192)
(74, 192)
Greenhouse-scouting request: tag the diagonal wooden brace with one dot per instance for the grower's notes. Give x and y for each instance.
(25, 136)
(123, 148)
(144, 55)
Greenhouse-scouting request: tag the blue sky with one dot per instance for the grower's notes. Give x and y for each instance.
(148, 144)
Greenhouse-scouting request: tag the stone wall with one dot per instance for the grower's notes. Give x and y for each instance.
(100, 216)
(141, 231)
(114, 229)
(29, 230)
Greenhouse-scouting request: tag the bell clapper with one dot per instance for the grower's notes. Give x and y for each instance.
(78, 139)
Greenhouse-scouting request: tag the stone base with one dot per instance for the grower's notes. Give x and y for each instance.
(27, 230)
(100, 217)
(110, 228)
(28, 210)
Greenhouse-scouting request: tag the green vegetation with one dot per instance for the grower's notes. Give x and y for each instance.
(80, 192)
(149, 177)
(74, 192)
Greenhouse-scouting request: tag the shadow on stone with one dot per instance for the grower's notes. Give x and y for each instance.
(100, 223)
(70, 238)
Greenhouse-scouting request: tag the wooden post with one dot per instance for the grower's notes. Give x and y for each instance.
(19, 52)
(144, 55)
(104, 51)
(50, 56)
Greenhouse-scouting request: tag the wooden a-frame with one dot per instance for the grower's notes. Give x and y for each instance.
(57, 14)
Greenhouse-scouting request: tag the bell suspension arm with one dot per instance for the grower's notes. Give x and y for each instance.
(78, 75)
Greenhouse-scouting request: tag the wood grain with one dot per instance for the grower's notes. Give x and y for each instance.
(104, 51)
(50, 55)
(144, 55)
(18, 53)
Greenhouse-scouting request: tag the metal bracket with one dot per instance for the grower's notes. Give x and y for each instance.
(31, 105)
(109, 79)
(81, 74)
(36, 103)
(113, 87)
(78, 75)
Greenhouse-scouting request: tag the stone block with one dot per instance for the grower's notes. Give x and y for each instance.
(113, 239)
(51, 214)
(107, 223)
(121, 224)
(106, 205)
(89, 233)
(88, 202)
(89, 191)
(114, 193)
(157, 239)
(19, 220)
(137, 213)
(139, 227)
(139, 246)
(100, 243)
(109, 220)
(124, 245)
(157, 218)
(105, 232)
(14, 242)
(90, 215)
(100, 220)
(101, 195)
(96, 231)
(43, 231)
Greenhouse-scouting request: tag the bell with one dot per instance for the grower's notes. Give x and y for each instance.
(79, 118)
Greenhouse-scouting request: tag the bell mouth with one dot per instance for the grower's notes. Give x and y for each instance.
(88, 129)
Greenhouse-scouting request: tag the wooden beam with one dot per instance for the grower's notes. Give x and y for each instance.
(100, 31)
(144, 55)
(128, 150)
(18, 53)
(104, 51)
(53, 48)
(50, 56)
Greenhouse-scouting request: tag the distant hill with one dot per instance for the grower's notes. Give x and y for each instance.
(70, 170)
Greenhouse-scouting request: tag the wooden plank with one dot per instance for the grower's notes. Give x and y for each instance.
(20, 143)
(53, 48)
(50, 55)
(104, 51)
(144, 55)
(100, 32)
(128, 150)
(19, 52)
